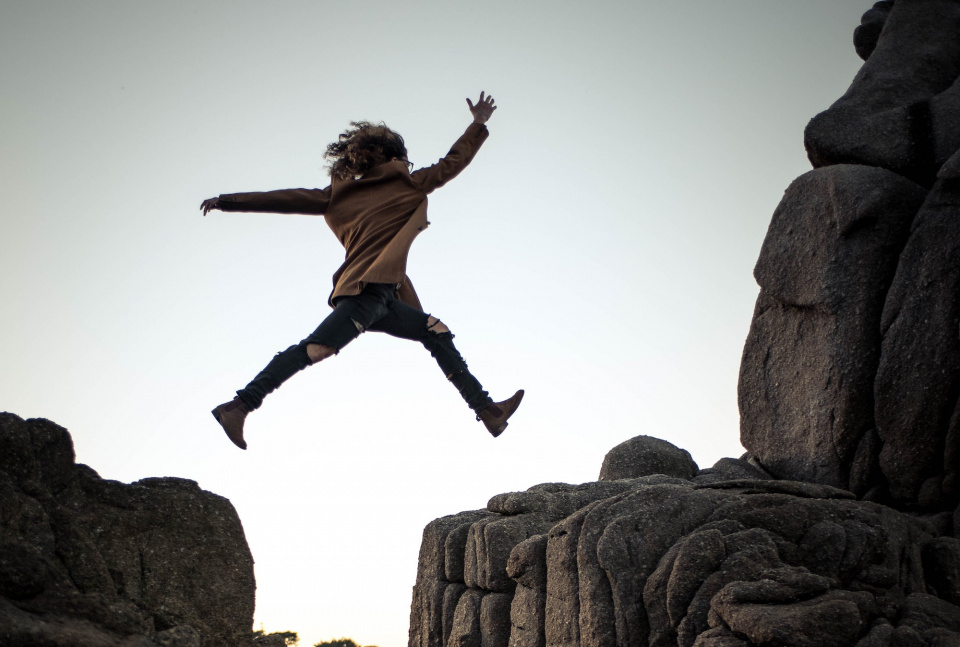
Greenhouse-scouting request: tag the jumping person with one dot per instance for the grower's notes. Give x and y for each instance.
(375, 206)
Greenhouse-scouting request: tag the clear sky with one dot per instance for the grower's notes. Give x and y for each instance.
(598, 252)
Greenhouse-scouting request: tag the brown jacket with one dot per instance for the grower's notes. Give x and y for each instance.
(375, 217)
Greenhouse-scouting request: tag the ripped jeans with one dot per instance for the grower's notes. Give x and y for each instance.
(376, 308)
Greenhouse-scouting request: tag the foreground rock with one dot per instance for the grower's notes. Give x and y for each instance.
(659, 560)
(88, 562)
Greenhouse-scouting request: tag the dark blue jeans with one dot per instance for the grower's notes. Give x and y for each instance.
(376, 308)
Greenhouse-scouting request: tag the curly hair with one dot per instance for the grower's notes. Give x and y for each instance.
(361, 147)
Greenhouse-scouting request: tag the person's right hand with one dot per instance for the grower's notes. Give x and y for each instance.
(483, 110)
(210, 203)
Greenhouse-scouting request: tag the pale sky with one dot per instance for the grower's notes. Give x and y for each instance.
(597, 253)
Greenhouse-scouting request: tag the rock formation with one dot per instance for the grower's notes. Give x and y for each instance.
(88, 562)
(730, 557)
(837, 527)
(851, 371)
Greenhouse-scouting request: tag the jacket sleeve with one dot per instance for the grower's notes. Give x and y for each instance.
(305, 201)
(433, 177)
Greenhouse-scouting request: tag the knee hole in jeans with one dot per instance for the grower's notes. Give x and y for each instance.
(436, 326)
(318, 352)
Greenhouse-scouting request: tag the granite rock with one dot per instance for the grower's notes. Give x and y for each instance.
(809, 362)
(89, 561)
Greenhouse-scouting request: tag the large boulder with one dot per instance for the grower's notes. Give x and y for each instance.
(918, 378)
(806, 377)
(88, 561)
(900, 111)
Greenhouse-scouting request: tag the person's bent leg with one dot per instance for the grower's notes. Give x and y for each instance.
(284, 365)
(350, 317)
(439, 341)
(407, 322)
(281, 368)
(494, 415)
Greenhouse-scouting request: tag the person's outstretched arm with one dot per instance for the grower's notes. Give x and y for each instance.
(306, 201)
(463, 150)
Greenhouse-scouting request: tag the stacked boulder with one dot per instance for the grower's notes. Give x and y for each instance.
(851, 371)
(721, 557)
(88, 562)
(836, 528)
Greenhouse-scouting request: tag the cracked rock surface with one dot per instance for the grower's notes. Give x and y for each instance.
(89, 562)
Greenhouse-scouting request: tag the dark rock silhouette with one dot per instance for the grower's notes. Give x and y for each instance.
(865, 36)
(918, 381)
(669, 561)
(851, 371)
(836, 528)
(86, 561)
(900, 112)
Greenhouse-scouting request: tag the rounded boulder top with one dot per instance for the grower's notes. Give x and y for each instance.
(646, 455)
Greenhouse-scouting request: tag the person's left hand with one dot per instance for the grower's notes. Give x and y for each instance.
(483, 110)
(210, 203)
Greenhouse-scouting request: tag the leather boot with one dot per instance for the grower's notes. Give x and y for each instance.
(494, 417)
(231, 415)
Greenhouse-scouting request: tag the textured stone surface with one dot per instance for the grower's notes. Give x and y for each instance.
(918, 379)
(495, 620)
(528, 567)
(465, 631)
(743, 562)
(646, 455)
(87, 561)
(941, 562)
(727, 469)
(900, 112)
(806, 378)
(427, 609)
(865, 36)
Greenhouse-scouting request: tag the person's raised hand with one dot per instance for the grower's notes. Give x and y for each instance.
(208, 204)
(483, 109)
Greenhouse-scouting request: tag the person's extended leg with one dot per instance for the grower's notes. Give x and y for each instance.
(406, 322)
(351, 316)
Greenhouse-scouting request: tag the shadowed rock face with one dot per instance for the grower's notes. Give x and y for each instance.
(918, 380)
(806, 378)
(851, 371)
(900, 112)
(865, 36)
(89, 562)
